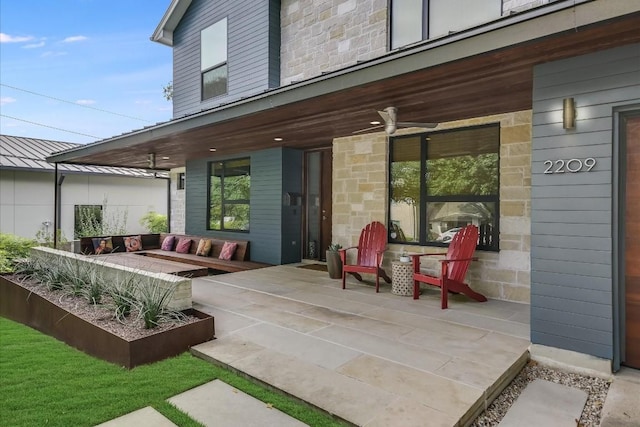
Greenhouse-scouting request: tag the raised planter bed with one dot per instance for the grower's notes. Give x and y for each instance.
(21, 305)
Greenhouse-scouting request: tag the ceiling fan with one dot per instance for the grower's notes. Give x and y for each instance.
(391, 124)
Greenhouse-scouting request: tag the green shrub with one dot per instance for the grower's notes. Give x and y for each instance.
(155, 222)
(122, 292)
(152, 301)
(13, 248)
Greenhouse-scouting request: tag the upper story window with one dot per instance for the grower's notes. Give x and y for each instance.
(442, 181)
(213, 59)
(416, 20)
(229, 190)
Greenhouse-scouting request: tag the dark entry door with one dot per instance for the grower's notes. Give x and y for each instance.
(632, 242)
(318, 171)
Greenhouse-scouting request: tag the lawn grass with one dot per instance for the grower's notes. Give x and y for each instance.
(45, 382)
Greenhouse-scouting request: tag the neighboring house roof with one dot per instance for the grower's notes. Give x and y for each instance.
(164, 32)
(23, 153)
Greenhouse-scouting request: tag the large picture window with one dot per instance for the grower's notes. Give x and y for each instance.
(213, 59)
(416, 20)
(229, 189)
(442, 181)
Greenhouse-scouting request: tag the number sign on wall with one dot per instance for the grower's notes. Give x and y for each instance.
(572, 165)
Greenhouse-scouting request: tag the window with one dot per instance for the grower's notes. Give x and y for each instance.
(416, 20)
(229, 188)
(181, 181)
(213, 59)
(87, 220)
(441, 181)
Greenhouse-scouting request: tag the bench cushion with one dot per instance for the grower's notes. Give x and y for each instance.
(183, 246)
(227, 251)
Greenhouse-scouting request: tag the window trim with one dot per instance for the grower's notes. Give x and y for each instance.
(247, 202)
(217, 65)
(181, 181)
(425, 199)
(425, 30)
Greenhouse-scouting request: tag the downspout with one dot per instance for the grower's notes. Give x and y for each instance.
(169, 204)
(56, 204)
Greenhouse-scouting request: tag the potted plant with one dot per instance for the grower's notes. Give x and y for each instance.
(334, 264)
(404, 257)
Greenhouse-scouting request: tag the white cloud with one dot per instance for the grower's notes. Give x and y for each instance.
(34, 45)
(74, 39)
(6, 100)
(52, 54)
(85, 102)
(6, 38)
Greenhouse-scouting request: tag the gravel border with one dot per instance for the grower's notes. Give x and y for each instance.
(597, 389)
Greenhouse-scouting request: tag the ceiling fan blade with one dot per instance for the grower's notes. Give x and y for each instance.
(417, 125)
(368, 129)
(386, 117)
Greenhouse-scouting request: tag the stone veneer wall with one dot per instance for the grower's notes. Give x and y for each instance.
(177, 203)
(360, 195)
(325, 35)
(319, 36)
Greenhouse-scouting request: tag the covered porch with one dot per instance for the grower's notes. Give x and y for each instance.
(370, 359)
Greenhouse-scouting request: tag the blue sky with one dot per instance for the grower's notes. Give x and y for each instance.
(58, 57)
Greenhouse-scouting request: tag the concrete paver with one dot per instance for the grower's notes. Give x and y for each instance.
(145, 417)
(218, 404)
(370, 359)
(622, 406)
(544, 403)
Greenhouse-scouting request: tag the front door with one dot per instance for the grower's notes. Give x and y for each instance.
(632, 241)
(318, 170)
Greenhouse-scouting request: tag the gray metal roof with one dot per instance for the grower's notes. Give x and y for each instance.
(17, 152)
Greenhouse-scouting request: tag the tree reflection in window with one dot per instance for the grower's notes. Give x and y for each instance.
(441, 181)
(229, 194)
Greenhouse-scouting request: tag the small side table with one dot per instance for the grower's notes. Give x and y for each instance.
(402, 278)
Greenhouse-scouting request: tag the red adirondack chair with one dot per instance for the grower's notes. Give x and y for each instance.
(454, 267)
(371, 246)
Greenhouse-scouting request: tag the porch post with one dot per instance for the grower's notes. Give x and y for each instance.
(56, 205)
(169, 203)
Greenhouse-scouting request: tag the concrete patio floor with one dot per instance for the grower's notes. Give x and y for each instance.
(370, 359)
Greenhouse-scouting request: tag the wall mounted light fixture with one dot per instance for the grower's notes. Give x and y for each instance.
(151, 159)
(568, 113)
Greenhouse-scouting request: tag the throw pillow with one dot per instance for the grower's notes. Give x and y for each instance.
(102, 245)
(183, 246)
(204, 247)
(133, 243)
(167, 243)
(228, 249)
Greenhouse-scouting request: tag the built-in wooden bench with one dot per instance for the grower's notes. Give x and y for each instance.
(151, 244)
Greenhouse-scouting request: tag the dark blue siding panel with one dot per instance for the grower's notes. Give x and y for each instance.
(251, 55)
(266, 204)
(572, 253)
(292, 215)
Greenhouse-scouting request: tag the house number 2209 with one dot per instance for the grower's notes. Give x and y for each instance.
(573, 165)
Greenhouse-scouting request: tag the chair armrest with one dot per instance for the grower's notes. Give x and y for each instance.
(446, 261)
(417, 256)
(343, 254)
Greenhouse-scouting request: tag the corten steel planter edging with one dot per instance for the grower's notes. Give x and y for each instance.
(21, 305)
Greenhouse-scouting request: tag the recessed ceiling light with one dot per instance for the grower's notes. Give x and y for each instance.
(212, 149)
(165, 158)
(375, 122)
(277, 139)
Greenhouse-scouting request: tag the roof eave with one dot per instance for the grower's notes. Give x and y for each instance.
(163, 33)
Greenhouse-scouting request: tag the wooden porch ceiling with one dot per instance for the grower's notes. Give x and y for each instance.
(491, 83)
